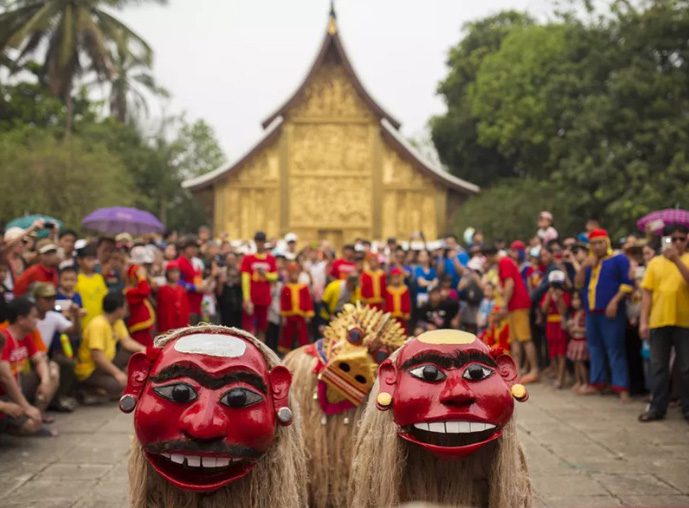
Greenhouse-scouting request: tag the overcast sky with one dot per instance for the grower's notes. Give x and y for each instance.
(233, 62)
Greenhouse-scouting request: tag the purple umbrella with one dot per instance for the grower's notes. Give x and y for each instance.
(654, 222)
(119, 219)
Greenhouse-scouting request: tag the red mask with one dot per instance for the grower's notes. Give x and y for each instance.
(450, 393)
(206, 408)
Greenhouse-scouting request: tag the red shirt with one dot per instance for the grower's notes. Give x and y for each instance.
(508, 269)
(172, 308)
(373, 286)
(35, 273)
(341, 269)
(17, 353)
(191, 275)
(256, 286)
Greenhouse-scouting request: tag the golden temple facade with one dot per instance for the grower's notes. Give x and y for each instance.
(331, 165)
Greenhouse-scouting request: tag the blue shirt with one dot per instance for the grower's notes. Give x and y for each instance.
(604, 280)
(420, 273)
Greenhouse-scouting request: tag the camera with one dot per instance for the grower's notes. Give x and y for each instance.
(666, 242)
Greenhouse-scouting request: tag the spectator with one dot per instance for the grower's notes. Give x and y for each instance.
(546, 232)
(344, 266)
(373, 283)
(604, 278)
(296, 311)
(110, 263)
(141, 318)
(398, 298)
(664, 321)
(425, 276)
(65, 243)
(43, 271)
(339, 293)
(577, 352)
(171, 304)
(259, 270)
(229, 293)
(66, 290)
(291, 241)
(90, 285)
(29, 390)
(555, 305)
(191, 277)
(100, 365)
(437, 313)
(517, 306)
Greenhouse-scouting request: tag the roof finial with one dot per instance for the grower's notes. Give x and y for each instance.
(332, 22)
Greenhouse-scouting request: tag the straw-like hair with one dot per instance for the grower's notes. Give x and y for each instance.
(387, 471)
(329, 440)
(277, 480)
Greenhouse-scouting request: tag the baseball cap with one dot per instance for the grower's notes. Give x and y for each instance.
(48, 247)
(44, 290)
(291, 237)
(517, 245)
(556, 276)
(14, 233)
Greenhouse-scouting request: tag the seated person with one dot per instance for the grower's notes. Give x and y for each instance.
(24, 393)
(101, 366)
(437, 313)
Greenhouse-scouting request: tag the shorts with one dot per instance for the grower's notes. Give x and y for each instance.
(520, 328)
(256, 322)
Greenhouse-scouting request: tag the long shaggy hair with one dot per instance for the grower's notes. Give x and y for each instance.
(387, 470)
(329, 440)
(277, 480)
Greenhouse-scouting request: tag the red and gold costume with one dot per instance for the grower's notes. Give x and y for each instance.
(141, 314)
(373, 284)
(398, 303)
(258, 271)
(296, 307)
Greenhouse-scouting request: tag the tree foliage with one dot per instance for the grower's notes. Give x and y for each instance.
(596, 109)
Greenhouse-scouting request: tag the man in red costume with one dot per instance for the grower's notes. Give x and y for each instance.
(344, 266)
(172, 302)
(213, 423)
(398, 298)
(296, 309)
(141, 314)
(259, 270)
(373, 283)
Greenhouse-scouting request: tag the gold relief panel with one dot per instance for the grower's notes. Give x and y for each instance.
(329, 149)
(323, 202)
(406, 212)
(262, 168)
(397, 171)
(330, 94)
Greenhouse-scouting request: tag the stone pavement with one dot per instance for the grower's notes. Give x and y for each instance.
(582, 452)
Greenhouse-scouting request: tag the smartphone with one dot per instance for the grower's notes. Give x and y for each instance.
(49, 225)
(666, 242)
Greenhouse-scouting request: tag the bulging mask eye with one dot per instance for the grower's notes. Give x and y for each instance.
(178, 392)
(428, 373)
(240, 397)
(355, 335)
(477, 372)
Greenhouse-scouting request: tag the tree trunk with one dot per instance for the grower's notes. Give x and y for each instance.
(69, 112)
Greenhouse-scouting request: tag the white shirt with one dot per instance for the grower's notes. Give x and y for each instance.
(51, 323)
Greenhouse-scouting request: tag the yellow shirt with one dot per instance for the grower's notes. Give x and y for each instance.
(670, 304)
(102, 336)
(92, 289)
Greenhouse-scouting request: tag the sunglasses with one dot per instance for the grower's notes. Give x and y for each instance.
(679, 239)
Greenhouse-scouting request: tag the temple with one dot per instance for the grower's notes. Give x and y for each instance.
(331, 164)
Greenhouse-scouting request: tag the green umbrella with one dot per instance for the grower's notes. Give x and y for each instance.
(26, 221)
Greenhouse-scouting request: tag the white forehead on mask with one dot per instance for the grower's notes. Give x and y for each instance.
(211, 344)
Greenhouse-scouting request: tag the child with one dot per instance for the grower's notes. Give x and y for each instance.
(296, 310)
(554, 305)
(577, 351)
(398, 298)
(373, 283)
(172, 304)
(485, 309)
(90, 285)
(141, 314)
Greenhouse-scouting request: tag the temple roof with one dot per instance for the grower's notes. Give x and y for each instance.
(389, 125)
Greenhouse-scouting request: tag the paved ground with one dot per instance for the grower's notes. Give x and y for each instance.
(582, 452)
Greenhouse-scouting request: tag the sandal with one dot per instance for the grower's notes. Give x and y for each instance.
(650, 416)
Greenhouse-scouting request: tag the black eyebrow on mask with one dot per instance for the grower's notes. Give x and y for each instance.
(205, 379)
(456, 360)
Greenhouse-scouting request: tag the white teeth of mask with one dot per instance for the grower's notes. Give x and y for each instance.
(177, 459)
(196, 461)
(454, 427)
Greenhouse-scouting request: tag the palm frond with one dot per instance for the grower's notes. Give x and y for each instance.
(114, 28)
(94, 44)
(38, 21)
(11, 21)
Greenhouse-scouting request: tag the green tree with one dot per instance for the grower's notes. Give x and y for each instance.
(199, 150)
(455, 133)
(78, 35)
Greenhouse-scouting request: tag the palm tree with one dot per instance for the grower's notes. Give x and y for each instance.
(130, 82)
(74, 37)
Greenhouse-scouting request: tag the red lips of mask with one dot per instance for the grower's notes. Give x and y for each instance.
(206, 408)
(450, 394)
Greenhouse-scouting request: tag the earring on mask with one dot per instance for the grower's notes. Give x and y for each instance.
(285, 416)
(519, 392)
(383, 401)
(128, 403)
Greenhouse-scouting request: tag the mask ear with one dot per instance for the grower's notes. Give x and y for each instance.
(137, 374)
(387, 378)
(280, 382)
(507, 369)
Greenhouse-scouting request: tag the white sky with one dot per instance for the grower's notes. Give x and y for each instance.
(233, 62)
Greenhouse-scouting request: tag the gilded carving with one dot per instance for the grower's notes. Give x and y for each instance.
(262, 168)
(330, 94)
(328, 202)
(327, 149)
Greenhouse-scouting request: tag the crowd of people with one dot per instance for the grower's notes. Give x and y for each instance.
(581, 311)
